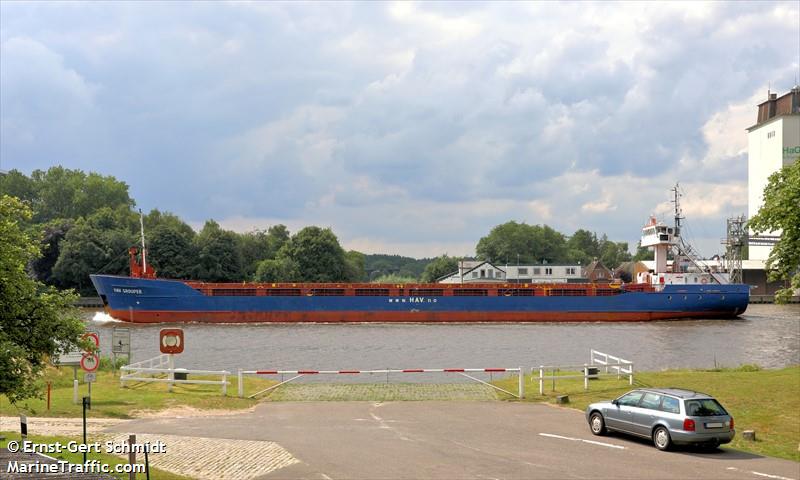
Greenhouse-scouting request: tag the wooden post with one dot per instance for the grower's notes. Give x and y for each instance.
(132, 456)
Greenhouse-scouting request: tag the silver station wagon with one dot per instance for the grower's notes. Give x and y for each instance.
(668, 416)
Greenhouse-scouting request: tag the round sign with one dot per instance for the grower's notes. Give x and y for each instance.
(171, 340)
(90, 362)
(92, 336)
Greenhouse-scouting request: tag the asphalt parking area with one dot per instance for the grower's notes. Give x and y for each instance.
(480, 440)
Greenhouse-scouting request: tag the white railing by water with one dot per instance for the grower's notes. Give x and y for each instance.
(150, 370)
(619, 367)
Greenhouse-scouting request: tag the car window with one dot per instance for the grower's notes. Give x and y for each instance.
(670, 405)
(651, 400)
(630, 399)
(707, 407)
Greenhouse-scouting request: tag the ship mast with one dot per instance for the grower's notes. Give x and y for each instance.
(144, 249)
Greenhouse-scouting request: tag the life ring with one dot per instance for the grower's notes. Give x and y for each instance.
(704, 280)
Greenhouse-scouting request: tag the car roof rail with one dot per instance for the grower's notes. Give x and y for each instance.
(693, 392)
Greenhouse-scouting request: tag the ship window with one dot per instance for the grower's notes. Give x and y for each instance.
(570, 271)
(483, 273)
(537, 271)
(522, 271)
(474, 274)
(548, 271)
(669, 298)
(686, 297)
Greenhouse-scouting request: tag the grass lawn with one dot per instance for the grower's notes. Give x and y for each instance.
(767, 401)
(77, 458)
(110, 400)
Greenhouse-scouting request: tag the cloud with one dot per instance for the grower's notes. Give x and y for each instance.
(413, 126)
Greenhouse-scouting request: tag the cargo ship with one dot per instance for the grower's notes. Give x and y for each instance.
(667, 293)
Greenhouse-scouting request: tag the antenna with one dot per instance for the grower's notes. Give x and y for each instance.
(678, 212)
(144, 250)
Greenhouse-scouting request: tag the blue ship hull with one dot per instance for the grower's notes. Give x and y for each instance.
(150, 300)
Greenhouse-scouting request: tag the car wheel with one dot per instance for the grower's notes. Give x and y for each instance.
(597, 424)
(661, 438)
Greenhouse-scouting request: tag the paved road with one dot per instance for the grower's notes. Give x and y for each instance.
(469, 440)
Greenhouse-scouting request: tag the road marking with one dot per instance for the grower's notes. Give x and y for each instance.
(384, 424)
(777, 477)
(610, 445)
(767, 475)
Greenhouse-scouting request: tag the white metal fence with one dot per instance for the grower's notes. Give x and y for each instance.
(616, 363)
(588, 370)
(461, 371)
(150, 370)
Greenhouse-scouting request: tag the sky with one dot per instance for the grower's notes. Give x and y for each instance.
(408, 128)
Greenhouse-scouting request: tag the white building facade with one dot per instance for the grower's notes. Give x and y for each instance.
(475, 271)
(772, 143)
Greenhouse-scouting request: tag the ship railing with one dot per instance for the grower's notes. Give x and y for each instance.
(615, 363)
(465, 372)
(586, 372)
(161, 369)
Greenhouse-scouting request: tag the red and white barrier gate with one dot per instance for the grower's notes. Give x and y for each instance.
(461, 371)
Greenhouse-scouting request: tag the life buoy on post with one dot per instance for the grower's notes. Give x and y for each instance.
(704, 280)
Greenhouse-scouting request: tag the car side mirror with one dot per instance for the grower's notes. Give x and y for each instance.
(615, 402)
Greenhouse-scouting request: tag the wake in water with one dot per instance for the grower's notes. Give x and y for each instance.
(103, 317)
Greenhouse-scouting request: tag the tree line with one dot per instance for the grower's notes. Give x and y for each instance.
(87, 222)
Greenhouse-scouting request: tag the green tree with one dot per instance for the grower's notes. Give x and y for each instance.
(218, 255)
(643, 253)
(613, 253)
(17, 184)
(54, 232)
(36, 321)
(394, 279)
(582, 247)
(355, 266)
(277, 237)
(65, 193)
(171, 250)
(317, 254)
(781, 211)
(439, 267)
(254, 247)
(514, 242)
(283, 269)
(97, 244)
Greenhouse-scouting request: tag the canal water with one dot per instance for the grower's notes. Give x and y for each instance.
(767, 335)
